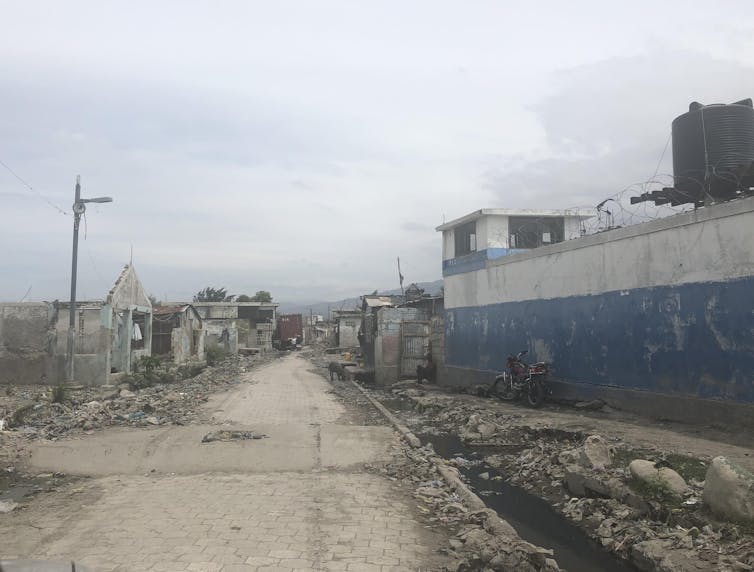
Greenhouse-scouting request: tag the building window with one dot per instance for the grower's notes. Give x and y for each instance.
(533, 232)
(465, 238)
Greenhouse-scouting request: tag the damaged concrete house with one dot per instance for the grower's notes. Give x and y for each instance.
(177, 332)
(247, 327)
(111, 336)
(347, 325)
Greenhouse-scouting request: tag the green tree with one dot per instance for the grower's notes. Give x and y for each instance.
(210, 294)
(154, 301)
(244, 298)
(262, 296)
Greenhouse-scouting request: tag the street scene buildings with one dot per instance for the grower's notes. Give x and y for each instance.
(526, 387)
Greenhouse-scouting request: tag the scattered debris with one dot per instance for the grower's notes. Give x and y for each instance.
(227, 435)
(593, 405)
(86, 409)
(658, 524)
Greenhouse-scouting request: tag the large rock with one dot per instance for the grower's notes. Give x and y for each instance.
(486, 430)
(580, 484)
(662, 556)
(729, 490)
(647, 472)
(595, 453)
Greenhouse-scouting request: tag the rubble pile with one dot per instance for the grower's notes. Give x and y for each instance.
(227, 435)
(659, 510)
(481, 540)
(34, 412)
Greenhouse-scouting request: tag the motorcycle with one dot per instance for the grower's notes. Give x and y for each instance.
(522, 379)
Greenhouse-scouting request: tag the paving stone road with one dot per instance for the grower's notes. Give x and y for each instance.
(220, 511)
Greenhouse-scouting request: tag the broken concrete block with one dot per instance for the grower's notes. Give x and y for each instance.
(486, 430)
(580, 484)
(596, 453)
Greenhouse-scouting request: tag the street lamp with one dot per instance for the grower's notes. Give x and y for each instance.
(79, 208)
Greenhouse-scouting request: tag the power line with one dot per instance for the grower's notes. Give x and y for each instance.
(33, 190)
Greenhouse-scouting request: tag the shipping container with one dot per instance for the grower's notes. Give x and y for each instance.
(289, 326)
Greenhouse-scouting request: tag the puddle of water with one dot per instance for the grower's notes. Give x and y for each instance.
(532, 517)
(15, 488)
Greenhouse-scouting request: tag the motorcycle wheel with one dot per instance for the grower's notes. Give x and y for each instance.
(507, 395)
(536, 394)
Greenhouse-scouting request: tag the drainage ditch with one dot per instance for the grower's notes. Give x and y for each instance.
(532, 517)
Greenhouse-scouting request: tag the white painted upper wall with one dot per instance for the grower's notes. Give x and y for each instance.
(493, 228)
(710, 244)
(448, 245)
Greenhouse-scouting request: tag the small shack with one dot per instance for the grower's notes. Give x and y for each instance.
(347, 326)
(177, 331)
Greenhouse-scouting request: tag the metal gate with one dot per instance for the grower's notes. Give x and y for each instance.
(414, 346)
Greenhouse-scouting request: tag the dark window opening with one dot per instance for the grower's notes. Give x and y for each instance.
(465, 237)
(533, 232)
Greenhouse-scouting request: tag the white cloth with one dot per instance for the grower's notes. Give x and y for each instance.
(137, 333)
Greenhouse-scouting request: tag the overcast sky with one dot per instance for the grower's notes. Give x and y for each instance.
(299, 147)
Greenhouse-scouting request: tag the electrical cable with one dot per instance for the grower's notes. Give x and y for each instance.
(33, 190)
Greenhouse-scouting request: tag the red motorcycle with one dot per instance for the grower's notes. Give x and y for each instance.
(522, 379)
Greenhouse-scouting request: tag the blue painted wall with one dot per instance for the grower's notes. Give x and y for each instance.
(475, 260)
(694, 339)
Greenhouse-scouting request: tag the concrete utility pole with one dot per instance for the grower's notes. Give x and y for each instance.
(79, 208)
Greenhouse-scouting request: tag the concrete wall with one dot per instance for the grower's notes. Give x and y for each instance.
(666, 306)
(217, 312)
(27, 343)
(387, 343)
(215, 328)
(128, 291)
(92, 330)
(437, 337)
(182, 340)
(348, 331)
(91, 365)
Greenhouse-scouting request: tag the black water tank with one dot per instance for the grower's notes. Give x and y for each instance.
(713, 149)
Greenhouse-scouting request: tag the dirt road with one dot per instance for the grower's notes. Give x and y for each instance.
(162, 500)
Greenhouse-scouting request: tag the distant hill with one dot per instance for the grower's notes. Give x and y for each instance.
(348, 303)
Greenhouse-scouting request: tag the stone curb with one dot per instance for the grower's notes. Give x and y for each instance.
(449, 474)
(498, 526)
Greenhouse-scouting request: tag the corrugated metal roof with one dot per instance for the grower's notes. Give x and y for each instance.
(377, 301)
(160, 310)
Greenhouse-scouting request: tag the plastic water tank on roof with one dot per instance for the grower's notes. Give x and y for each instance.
(713, 149)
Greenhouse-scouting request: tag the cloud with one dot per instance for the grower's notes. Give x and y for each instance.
(250, 149)
(608, 123)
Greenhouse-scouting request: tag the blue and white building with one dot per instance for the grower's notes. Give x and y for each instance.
(658, 317)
